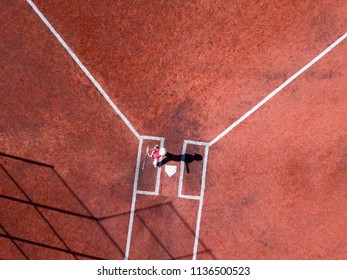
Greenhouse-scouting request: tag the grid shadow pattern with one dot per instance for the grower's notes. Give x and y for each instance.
(42, 217)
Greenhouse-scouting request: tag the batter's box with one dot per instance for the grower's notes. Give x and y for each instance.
(147, 177)
(193, 169)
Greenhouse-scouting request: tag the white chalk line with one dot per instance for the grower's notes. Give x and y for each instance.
(155, 138)
(140, 192)
(246, 115)
(202, 190)
(182, 164)
(191, 197)
(277, 90)
(157, 185)
(147, 192)
(157, 182)
(133, 201)
(202, 193)
(198, 143)
(84, 69)
(157, 189)
(180, 182)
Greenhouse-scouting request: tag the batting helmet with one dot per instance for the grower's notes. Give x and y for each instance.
(162, 151)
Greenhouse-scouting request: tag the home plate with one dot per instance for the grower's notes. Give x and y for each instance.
(170, 170)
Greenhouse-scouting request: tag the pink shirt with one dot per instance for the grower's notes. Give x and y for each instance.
(155, 154)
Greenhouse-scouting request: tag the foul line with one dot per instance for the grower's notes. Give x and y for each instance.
(84, 69)
(277, 90)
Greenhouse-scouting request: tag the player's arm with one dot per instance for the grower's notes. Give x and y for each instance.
(152, 150)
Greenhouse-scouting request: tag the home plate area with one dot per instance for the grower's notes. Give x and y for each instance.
(167, 207)
(190, 164)
(170, 170)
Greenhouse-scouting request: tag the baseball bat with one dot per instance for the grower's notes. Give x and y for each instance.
(144, 161)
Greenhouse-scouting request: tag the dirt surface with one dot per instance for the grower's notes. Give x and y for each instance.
(275, 186)
(286, 182)
(172, 66)
(51, 113)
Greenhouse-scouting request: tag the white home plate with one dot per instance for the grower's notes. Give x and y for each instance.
(170, 170)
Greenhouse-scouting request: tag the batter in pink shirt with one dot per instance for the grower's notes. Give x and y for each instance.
(156, 153)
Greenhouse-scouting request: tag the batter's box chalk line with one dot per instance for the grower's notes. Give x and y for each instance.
(180, 194)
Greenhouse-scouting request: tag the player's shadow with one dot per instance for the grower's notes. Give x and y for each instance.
(186, 158)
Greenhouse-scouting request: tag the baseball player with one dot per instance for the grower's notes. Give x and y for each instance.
(156, 153)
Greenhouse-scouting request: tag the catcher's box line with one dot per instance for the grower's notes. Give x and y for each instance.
(84, 69)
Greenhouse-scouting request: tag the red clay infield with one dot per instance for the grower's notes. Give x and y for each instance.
(275, 186)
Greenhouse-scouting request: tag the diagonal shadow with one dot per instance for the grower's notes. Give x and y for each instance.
(26, 160)
(37, 209)
(13, 238)
(197, 253)
(161, 244)
(101, 227)
(80, 215)
(125, 213)
(90, 216)
(137, 210)
(46, 207)
(154, 236)
(191, 230)
(86, 208)
(14, 242)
